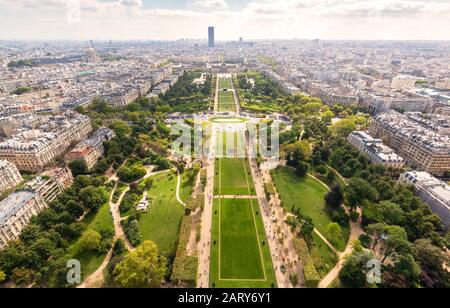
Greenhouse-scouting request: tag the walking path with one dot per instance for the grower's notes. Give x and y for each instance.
(355, 232)
(96, 279)
(204, 246)
(235, 197)
(178, 190)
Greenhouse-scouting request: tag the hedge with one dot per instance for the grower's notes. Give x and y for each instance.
(310, 273)
(184, 266)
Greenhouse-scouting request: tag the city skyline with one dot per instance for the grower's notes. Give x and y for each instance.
(252, 19)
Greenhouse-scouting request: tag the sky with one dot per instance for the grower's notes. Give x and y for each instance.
(251, 19)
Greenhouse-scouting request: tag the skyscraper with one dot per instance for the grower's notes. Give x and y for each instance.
(211, 37)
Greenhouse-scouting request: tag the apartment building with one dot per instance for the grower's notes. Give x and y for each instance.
(422, 146)
(432, 191)
(33, 149)
(16, 212)
(18, 208)
(375, 150)
(91, 149)
(9, 176)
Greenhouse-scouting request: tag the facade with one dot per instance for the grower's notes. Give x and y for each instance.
(18, 208)
(375, 150)
(121, 98)
(32, 150)
(211, 39)
(16, 212)
(9, 176)
(432, 191)
(91, 149)
(421, 145)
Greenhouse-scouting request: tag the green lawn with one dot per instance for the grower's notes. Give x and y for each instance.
(225, 83)
(233, 177)
(240, 256)
(161, 224)
(90, 261)
(226, 101)
(307, 195)
(323, 257)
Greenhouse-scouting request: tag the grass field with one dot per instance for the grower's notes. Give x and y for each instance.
(226, 101)
(233, 177)
(323, 257)
(307, 195)
(240, 257)
(90, 261)
(225, 83)
(161, 223)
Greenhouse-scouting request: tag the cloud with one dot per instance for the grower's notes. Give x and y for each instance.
(131, 3)
(210, 4)
(257, 19)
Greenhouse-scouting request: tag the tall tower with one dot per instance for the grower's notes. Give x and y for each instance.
(211, 37)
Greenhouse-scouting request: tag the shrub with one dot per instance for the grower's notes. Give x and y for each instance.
(184, 266)
(365, 240)
(132, 231)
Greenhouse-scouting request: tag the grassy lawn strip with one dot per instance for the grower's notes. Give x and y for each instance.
(307, 195)
(225, 83)
(233, 177)
(240, 256)
(226, 101)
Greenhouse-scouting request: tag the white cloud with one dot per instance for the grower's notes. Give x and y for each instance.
(211, 4)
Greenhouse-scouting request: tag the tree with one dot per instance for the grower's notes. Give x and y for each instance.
(78, 167)
(141, 268)
(119, 247)
(344, 127)
(359, 190)
(353, 274)
(92, 197)
(302, 169)
(90, 241)
(334, 198)
(431, 260)
(307, 228)
(121, 128)
(133, 173)
(334, 232)
(2, 276)
(396, 241)
(22, 275)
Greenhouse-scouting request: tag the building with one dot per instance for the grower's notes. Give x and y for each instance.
(18, 208)
(9, 176)
(403, 82)
(432, 191)
(211, 39)
(33, 149)
(375, 150)
(122, 97)
(421, 145)
(49, 184)
(91, 149)
(16, 212)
